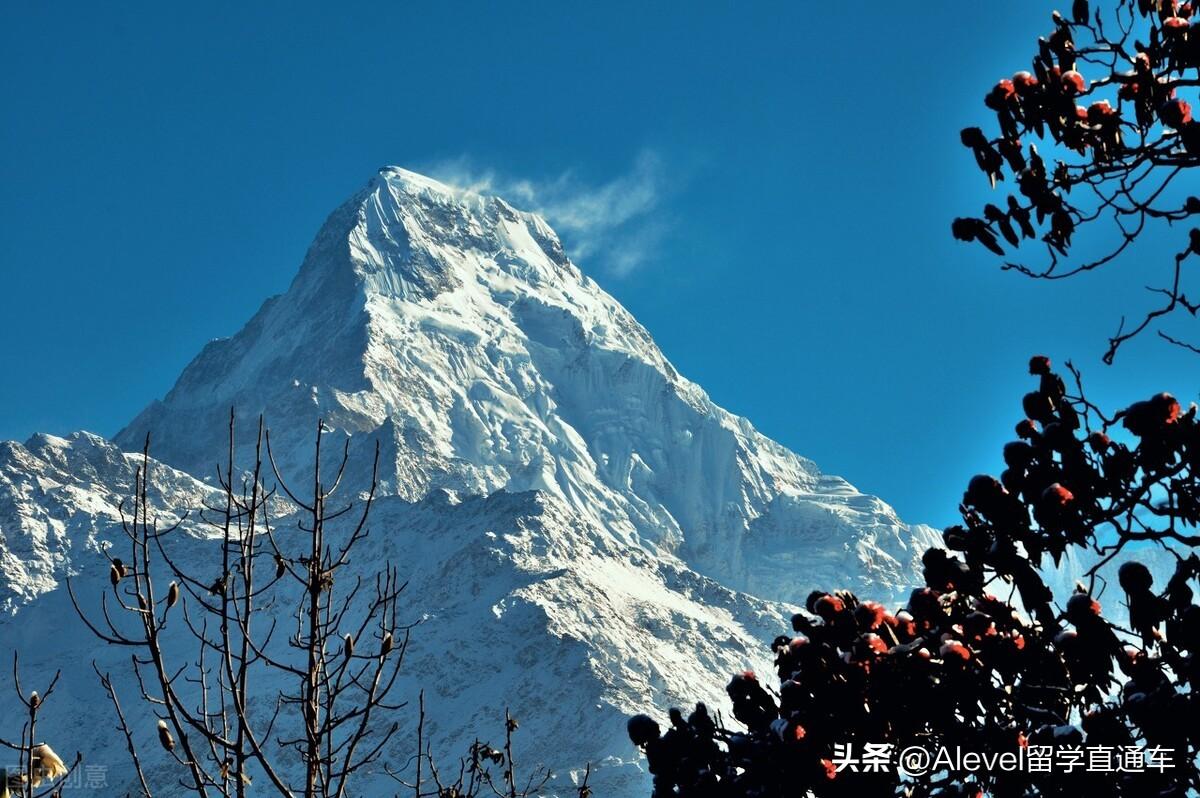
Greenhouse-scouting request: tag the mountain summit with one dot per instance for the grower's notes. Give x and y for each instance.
(585, 534)
(453, 328)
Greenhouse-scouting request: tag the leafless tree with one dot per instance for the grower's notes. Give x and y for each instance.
(485, 771)
(343, 657)
(40, 771)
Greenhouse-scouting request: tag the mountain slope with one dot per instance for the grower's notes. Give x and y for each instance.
(454, 329)
(521, 604)
(60, 497)
(586, 534)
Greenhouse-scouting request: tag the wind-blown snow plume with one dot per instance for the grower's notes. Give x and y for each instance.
(616, 223)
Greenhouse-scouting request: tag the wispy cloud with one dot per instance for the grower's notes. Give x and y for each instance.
(616, 224)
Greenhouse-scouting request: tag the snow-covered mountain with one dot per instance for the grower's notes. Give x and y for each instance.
(454, 329)
(583, 526)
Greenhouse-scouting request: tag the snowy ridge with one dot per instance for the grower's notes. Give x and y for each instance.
(455, 329)
(59, 497)
(521, 606)
(588, 535)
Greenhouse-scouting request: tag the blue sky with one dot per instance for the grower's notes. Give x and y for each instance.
(768, 187)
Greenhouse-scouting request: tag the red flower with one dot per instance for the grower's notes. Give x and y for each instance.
(1074, 83)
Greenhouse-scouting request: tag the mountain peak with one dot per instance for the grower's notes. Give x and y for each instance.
(556, 491)
(412, 181)
(410, 237)
(408, 185)
(453, 329)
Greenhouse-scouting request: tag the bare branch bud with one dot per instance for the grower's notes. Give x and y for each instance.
(164, 736)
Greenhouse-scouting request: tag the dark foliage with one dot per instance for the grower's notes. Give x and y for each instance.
(983, 657)
(1106, 96)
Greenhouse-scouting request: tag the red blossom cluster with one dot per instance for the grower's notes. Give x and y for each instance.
(1106, 96)
(982, 657)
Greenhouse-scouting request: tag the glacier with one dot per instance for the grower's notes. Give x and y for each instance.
(586, 533)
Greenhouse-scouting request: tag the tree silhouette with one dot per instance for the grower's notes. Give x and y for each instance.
(343, 657)
(1106, 97)
(40, 771)
(983, 657)
(205, 652)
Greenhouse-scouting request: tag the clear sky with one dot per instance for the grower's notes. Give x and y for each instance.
(768, 187)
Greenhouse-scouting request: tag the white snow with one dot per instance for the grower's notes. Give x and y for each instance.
(588, 534)
(455, 327)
